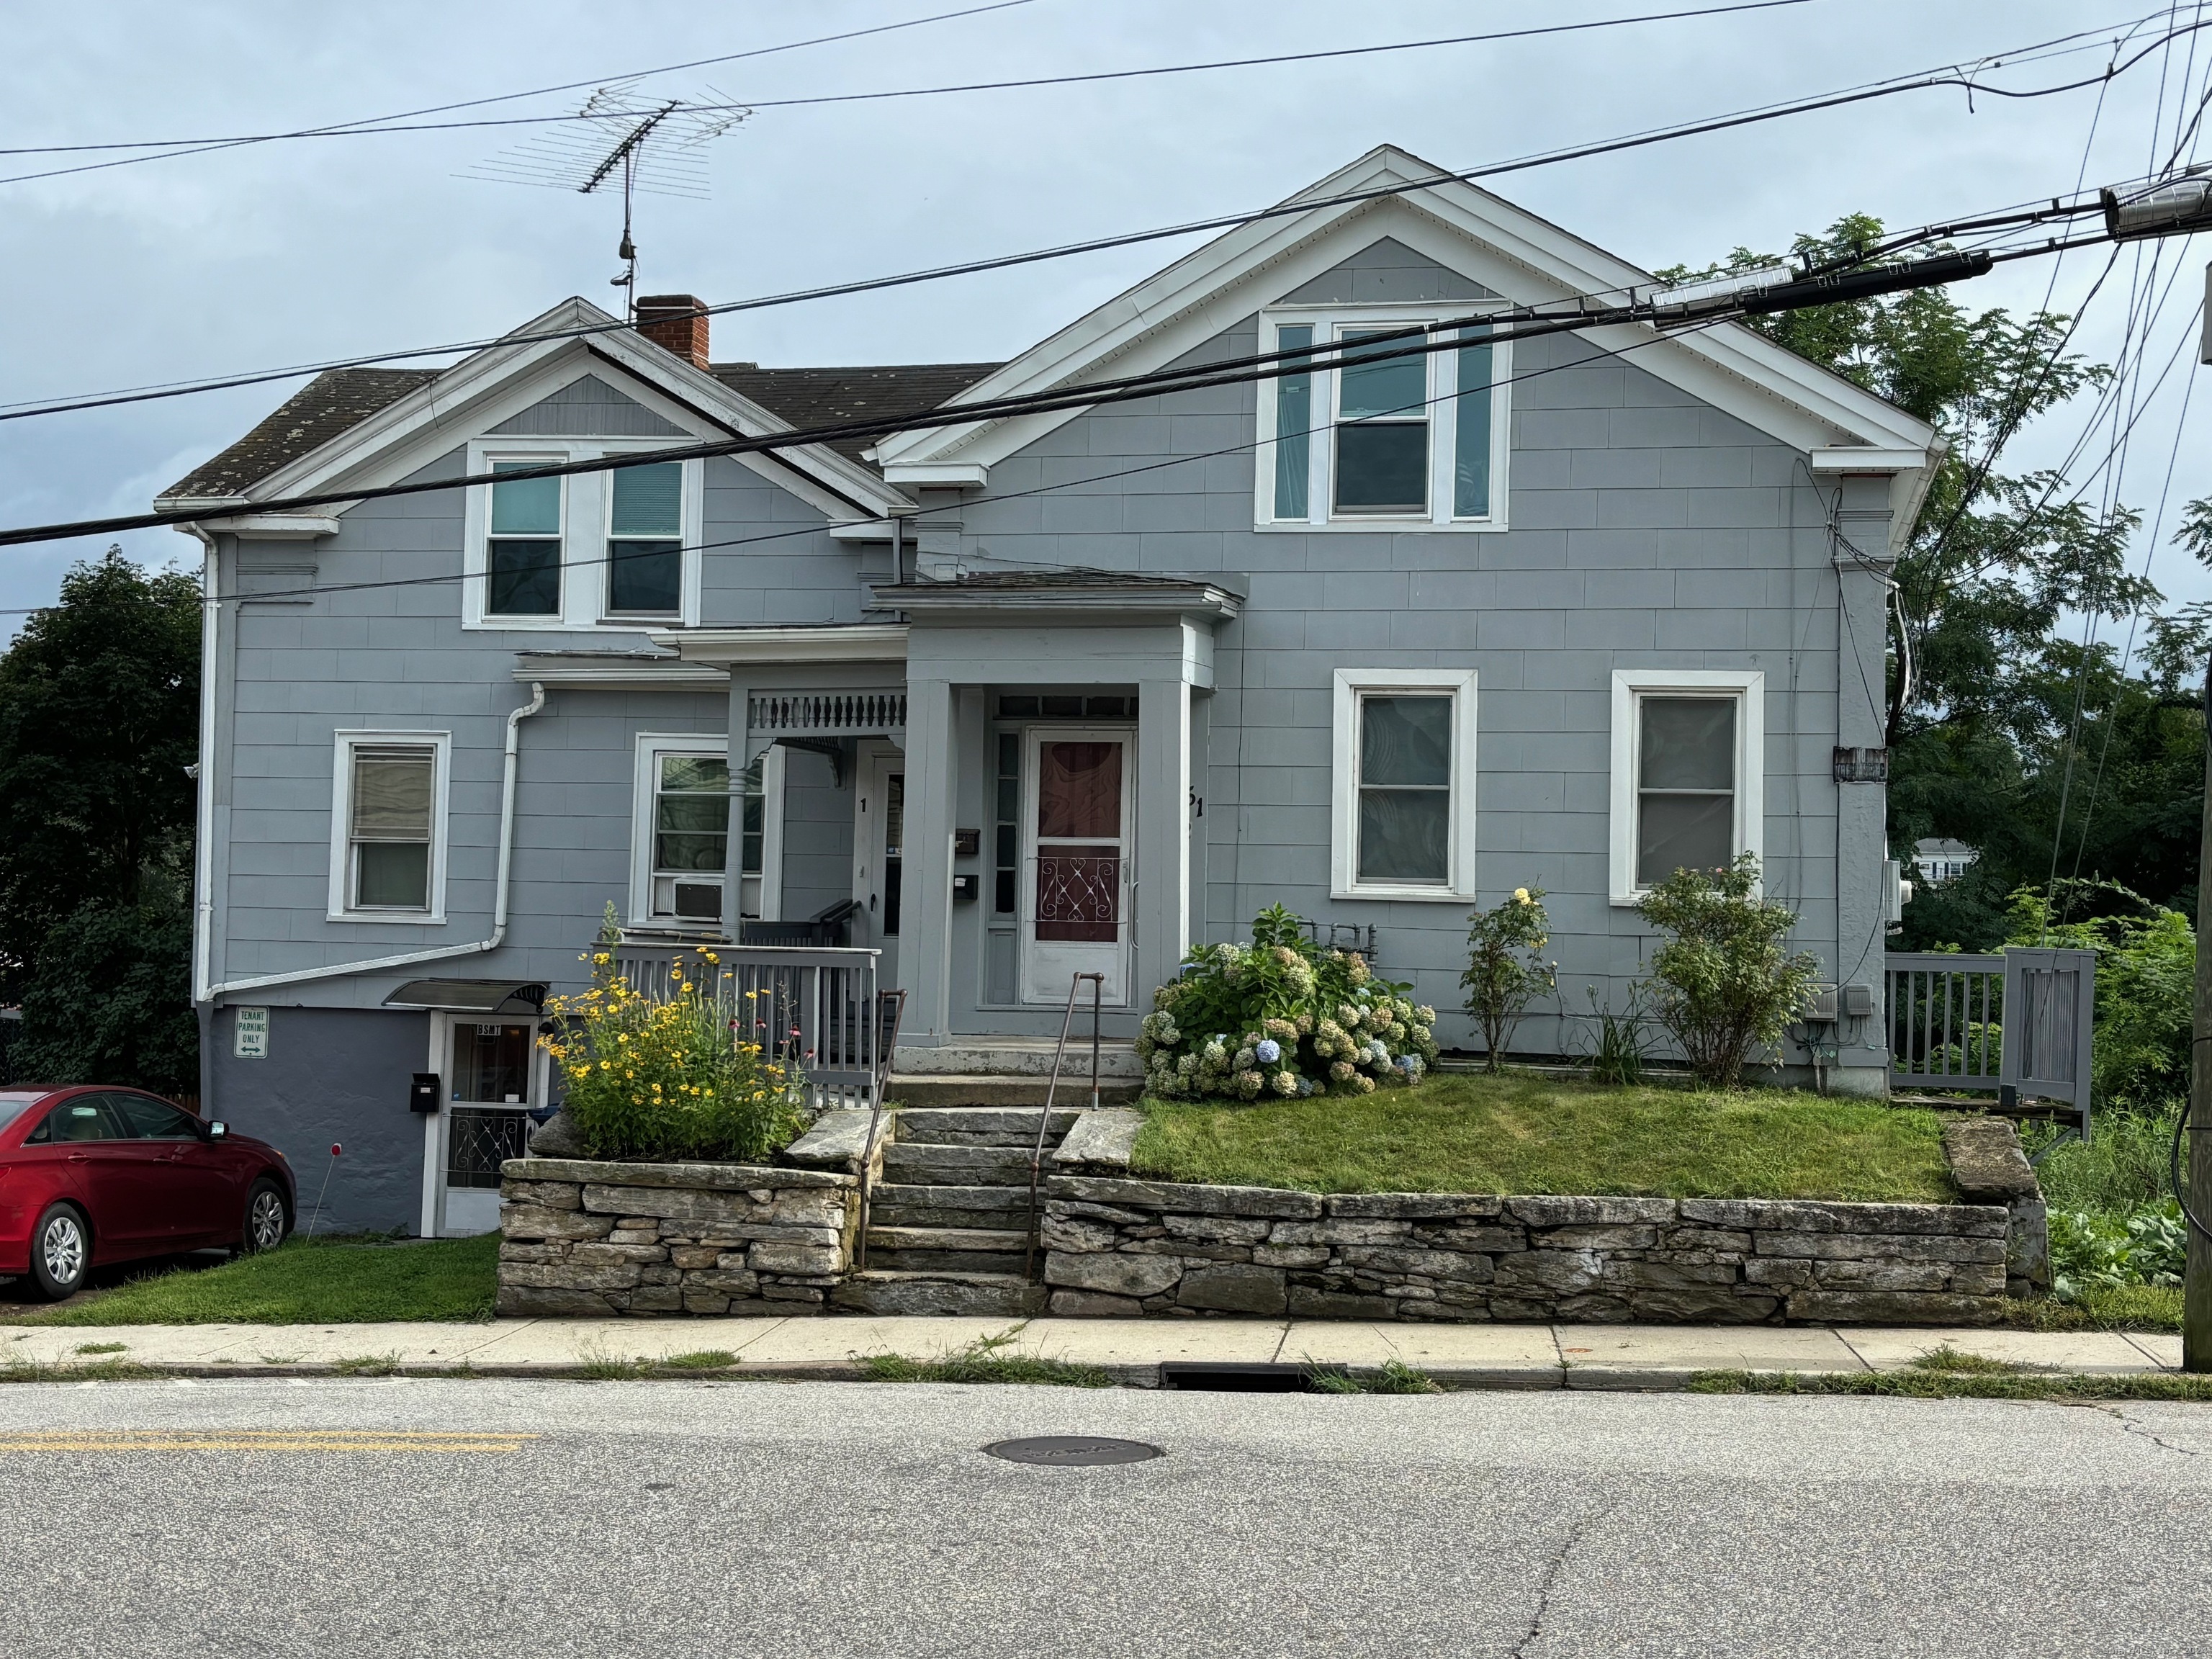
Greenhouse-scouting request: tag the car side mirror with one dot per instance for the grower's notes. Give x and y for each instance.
(217, 1130)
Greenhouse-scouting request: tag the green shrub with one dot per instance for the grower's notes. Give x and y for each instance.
(2122, 1167)
(1723, 984)
(664, 1081)
(2148, 1245)
(1504, 970)
(1280, 1017)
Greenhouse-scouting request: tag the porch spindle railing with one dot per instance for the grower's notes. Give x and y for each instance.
(814, 1008)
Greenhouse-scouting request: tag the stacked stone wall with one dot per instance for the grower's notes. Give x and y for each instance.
(595, 1239)
(1120, 1248)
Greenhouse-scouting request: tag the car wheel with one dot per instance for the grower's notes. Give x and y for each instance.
(61, 1253)
(266, 1221)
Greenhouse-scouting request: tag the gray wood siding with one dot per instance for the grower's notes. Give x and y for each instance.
(1648, 530)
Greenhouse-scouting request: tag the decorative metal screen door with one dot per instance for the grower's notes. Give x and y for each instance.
(1077, 824)
(493, 1076)
(878, 854)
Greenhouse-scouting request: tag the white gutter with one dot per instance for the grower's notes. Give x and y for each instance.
(498, 903)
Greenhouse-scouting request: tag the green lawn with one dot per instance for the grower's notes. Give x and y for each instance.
(1526, 1134)
(304, 1282)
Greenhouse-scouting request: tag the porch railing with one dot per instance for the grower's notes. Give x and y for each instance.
(814, 1007)
(2019, 1024)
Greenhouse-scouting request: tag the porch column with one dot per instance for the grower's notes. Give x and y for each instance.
(1162, 898)
(1862, 809)
(925, 953)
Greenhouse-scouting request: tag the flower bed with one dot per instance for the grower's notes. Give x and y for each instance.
(1280, 1018)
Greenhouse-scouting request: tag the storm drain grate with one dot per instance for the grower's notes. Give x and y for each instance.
(1074, 1451)
(1221, 1378)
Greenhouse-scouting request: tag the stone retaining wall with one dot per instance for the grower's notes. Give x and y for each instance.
(595, 1239)
(1119, 1248)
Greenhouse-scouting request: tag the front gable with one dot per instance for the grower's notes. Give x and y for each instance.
(1468, 245)
(609, 383)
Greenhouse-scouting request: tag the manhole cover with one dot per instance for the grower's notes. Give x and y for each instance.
(1073, 1451)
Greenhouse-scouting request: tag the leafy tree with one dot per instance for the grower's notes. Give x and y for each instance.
(99, 719)
(2048, 758)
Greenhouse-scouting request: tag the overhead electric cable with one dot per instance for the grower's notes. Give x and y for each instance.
(1933, 79)
(363, 129)
(1450, 336)
(174, 147)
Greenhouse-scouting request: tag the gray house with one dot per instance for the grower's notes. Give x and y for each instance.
(1055, 694)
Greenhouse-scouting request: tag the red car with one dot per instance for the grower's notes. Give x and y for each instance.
(92, 1176)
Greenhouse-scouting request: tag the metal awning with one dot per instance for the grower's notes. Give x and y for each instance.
(471, 996)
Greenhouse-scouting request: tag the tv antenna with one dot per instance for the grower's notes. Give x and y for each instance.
(659, 149)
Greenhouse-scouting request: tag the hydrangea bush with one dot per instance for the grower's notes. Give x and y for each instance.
(1280, 1018)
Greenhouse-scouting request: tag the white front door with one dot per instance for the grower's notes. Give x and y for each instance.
(878, 854)
(494, 1073)
(1078, 819)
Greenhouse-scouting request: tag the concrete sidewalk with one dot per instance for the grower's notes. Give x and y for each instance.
(1133, 1351)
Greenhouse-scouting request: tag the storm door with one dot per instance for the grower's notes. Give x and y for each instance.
(491, 1077)
(1078, 816)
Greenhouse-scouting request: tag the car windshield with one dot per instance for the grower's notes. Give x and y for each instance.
(12, 1106)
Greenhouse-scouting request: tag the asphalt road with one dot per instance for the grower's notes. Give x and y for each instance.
(390, 1517)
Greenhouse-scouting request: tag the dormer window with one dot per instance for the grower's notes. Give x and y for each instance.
(617, 548)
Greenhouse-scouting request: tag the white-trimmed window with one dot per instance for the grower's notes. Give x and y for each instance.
(388, 826)
(693, 832)
(1402, 442)
(1688, 785)
(1402, 816)
(585, 550)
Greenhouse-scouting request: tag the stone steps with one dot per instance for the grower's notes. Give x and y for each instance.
(885, 1290)
(981, 1125)
(949, 1249)
(894, 1205)
(926, 1165)
(956, 1091)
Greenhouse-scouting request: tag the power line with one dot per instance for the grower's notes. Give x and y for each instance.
(1920, 82)
(1788, 295)
(364, 129)
(174, 147)
(444, 578)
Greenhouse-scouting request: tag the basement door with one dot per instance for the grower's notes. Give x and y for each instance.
(494, 1073)
(1078, 822)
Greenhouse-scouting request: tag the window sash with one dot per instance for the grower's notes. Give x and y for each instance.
(1471, 432)
(1687, 820)
(1382, 434)
(1293, 430)
(1402, 826)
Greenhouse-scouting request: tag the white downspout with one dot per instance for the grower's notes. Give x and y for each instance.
(204, 806)
(498, 902)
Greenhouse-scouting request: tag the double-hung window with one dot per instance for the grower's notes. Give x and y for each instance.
(387, 854)
(1382, 433)
(582, 551)
(645, 541)
(1402, 819)
(694, 832)
(522, 554)
(1687, 791)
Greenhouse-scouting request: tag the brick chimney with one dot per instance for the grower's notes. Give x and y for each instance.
(676, 323)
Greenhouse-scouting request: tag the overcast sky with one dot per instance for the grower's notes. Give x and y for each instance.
(283, 253)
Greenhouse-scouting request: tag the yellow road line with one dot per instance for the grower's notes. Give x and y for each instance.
(263, 1440)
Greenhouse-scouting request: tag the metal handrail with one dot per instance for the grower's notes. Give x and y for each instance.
(893, 1004)
(1051, 1088)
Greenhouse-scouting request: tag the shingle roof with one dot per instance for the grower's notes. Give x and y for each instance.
(342, 398)
(823, 397)
(312, 417)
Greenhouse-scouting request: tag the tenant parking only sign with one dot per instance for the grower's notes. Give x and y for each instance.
(253, 1038)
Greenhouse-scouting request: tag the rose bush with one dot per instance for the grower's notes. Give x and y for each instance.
(1280, 1017)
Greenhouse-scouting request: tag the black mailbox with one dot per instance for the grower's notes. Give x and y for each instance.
(964, 889)
(426, 1093)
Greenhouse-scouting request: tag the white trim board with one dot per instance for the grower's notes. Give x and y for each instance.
(1750, 687)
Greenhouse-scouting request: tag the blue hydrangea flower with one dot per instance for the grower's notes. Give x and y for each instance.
(1269, 1051)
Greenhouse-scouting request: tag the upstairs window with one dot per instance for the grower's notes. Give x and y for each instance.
(1380, 440)
(523, 555)
(708, 855)
(387, 853)
(645, 541)
(690, 836)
